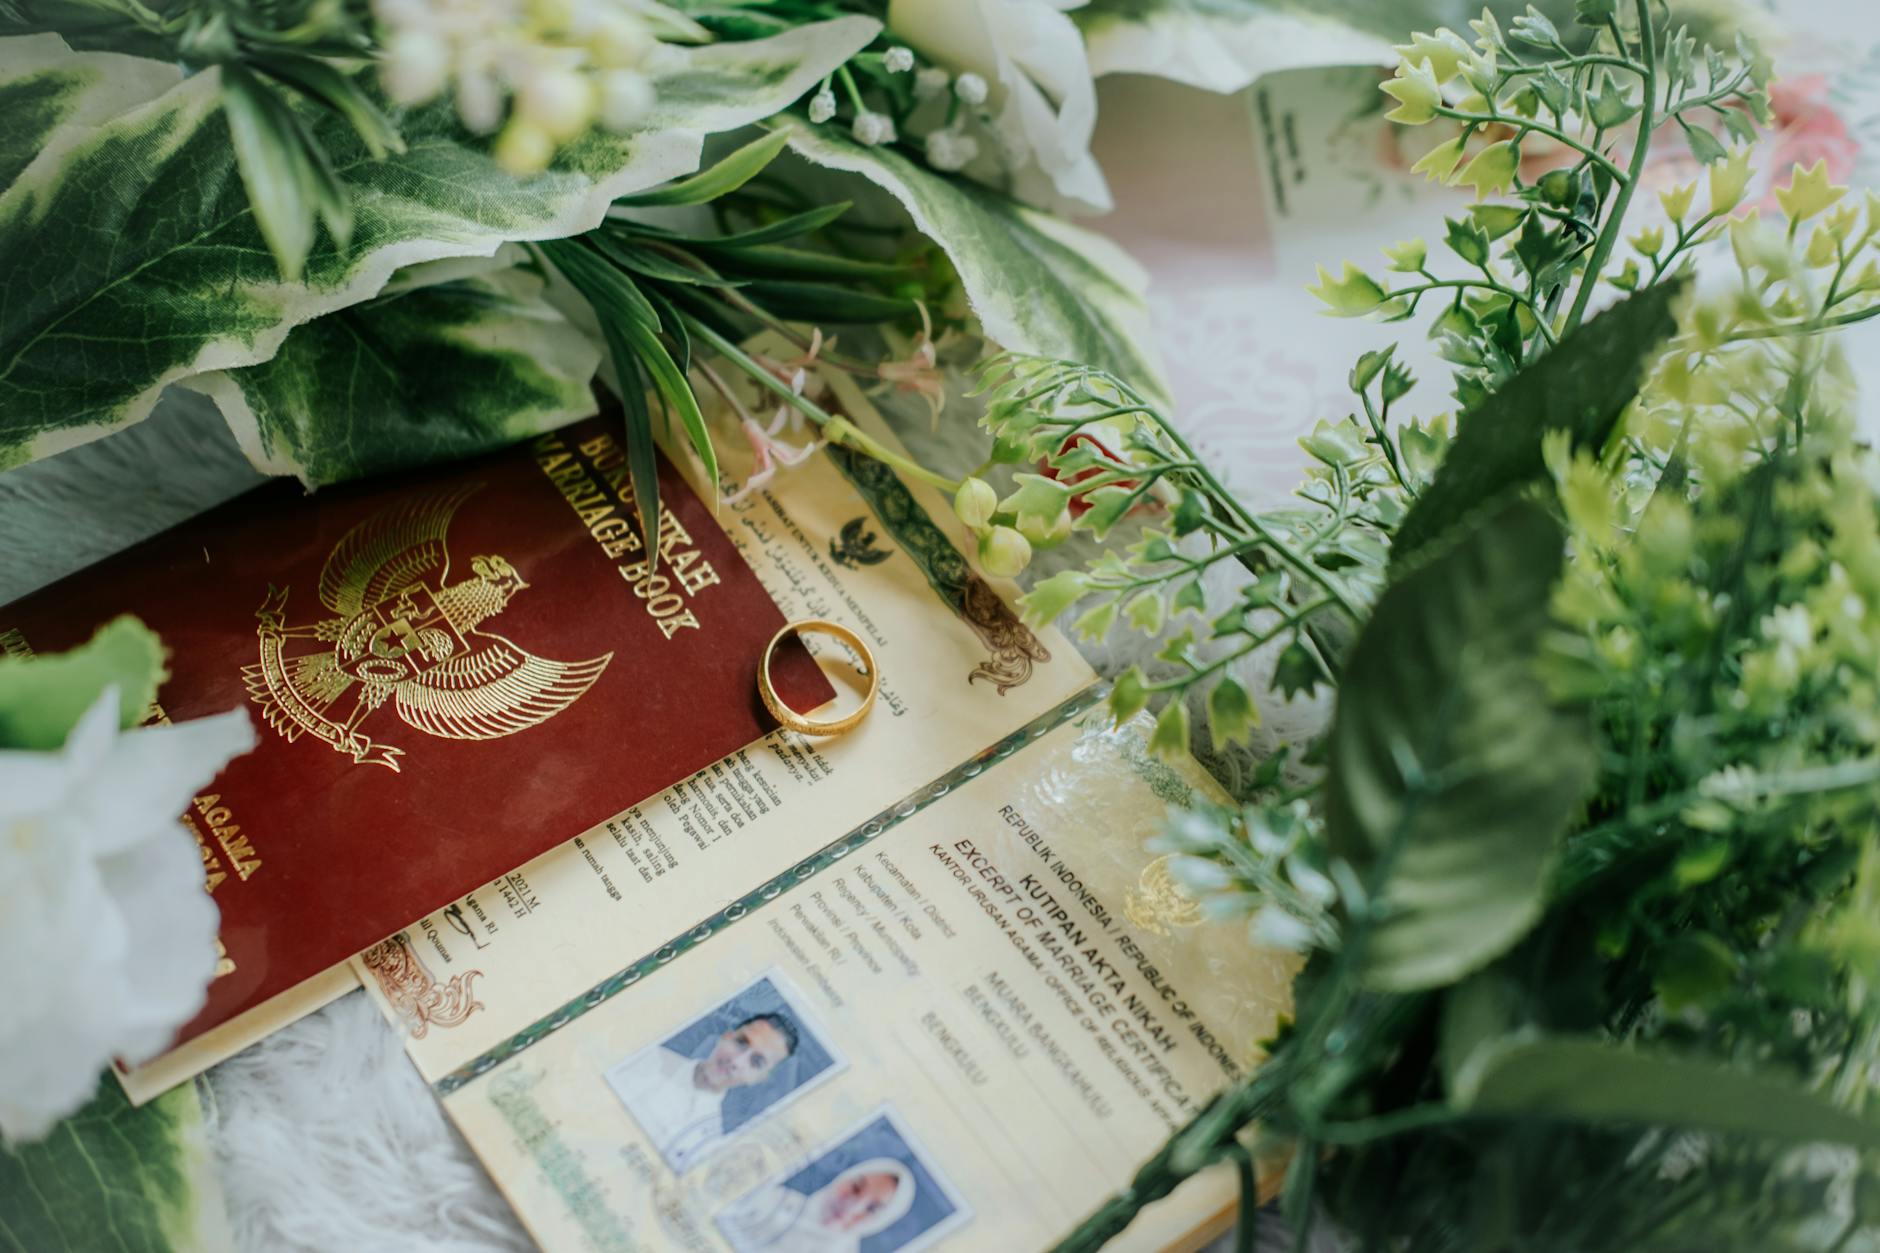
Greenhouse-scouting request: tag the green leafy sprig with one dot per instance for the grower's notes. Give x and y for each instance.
(670, 303)
(1531, 263)
(1111, 453)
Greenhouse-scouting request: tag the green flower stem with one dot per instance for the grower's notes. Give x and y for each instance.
(1687, 236)
(1384, 442)
(1711, 99)
(1813, 326)
(1201, 1143)
(850, 90)
(1539, 128)
(1575, 59)
(836, 429)
(1292, 619)
(1615, 221)
(1461, 284)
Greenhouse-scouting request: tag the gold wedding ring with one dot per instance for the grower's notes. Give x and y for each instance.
(789, 717)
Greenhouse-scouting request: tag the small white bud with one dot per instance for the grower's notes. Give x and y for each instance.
(951, 150)
(560, 102)
(479, 100)
(929, 81)
(822, 106)
(416, 67)
(873, 128)
(1273, 927)
(971, 88)
(898, 60)
(524, 148)
(627, 99)
(975, 503)
(619, 41)
(1003, 552)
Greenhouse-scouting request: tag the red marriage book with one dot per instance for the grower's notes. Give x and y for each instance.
(450, 673)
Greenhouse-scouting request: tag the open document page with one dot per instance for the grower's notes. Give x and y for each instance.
(962, 1031)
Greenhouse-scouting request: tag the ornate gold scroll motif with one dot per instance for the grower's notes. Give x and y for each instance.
(414, 993)
(404, 633)
(1158, 904)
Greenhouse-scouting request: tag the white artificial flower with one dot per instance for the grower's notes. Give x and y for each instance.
(107, 939)
(1030, 58)
(898, 60)
(822, 106)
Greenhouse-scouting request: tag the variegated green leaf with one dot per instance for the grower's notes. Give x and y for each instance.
(1223, 45)
(129, 256)
(1038, 284)
(115, 1178)
(422, 373)
(45, 85)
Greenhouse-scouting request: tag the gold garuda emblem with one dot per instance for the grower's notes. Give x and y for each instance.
(402, 632)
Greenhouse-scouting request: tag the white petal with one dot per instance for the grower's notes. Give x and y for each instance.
(151, 774)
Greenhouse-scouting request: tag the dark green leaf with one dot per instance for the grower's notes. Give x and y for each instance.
(805, 223)
(1581, 386)
(1703, 144)
(825, 302)
(649, 264)
(1695, 969)
(1590, 1081)
(1451, 776)
(274, 168)
(726, 176)
(1298, 671)
(320, 81)
(675, 390)
(780, 262)
(642, 447)
(111, 1177)
(1467, 240)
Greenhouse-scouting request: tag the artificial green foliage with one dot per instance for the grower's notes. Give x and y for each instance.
(1638, 1029)
(1036, 283)
(1528, 269)
(661, 295)
(116, 1179)
(42, 698)
(90, 334)
(1580, 390)
(1451, 773)
(1626, 999)
(427, 371)
(45, 85)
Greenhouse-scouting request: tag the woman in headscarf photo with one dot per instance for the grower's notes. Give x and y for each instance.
(864, 1200)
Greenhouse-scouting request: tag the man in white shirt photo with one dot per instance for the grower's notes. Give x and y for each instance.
(679, 1100)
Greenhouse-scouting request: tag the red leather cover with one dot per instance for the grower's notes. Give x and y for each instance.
(512, 688)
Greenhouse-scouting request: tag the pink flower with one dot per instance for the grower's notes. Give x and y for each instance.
(920, 372)
(770, 452)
